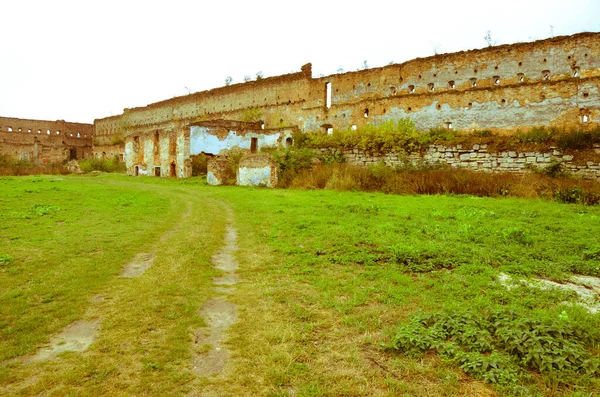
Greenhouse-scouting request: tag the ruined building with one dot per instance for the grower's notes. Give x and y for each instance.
(553, 82)
(41, 141)
(549, 82)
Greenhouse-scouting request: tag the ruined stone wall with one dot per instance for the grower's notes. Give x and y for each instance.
(163, 152)
(554, 82)
(109, 138)
(478, 158)
(45, 141)
(550, 82)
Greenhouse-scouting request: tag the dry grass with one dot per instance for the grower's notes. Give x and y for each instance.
(343, 177)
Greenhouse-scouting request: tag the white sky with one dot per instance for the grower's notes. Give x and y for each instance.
(81, 60)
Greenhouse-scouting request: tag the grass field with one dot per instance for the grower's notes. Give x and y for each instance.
(340, 293)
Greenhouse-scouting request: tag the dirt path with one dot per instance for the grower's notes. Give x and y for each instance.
(210, 357)
(79, 335)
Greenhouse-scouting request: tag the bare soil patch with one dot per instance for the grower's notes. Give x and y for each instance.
(138, 265)
(76, 337)
(210, 355)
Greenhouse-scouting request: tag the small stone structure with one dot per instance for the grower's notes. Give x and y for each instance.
(218, 170)
(257, 170)
(253, 170)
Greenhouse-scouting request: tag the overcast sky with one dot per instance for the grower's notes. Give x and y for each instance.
(81, 60)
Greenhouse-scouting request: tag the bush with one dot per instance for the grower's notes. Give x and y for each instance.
(104, 165)
(389, 136)
(538, 134)
(578, 139)
(298, 170)
(11, 166)
(502, 345)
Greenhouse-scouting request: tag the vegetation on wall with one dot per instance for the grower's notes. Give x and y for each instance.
(252, 115)
(308, 166)
(402, 137)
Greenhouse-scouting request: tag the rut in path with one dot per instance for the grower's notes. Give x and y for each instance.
(219, 313)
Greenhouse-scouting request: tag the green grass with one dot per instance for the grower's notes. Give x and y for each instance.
(329, 280)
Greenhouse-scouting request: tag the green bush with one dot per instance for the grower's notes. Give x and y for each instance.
(502, 345)
(576, 195)
(104, 165)
(537, 134)
(578, 139)
(389, 136)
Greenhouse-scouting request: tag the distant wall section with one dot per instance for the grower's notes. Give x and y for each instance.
(45, 141)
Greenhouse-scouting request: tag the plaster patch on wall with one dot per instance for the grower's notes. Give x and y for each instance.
(211, 179)
(254, 176)
(202, 140)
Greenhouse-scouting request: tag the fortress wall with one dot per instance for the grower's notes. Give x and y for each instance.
(45, 141)
(554, 82)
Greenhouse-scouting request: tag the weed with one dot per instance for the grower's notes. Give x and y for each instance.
(500, 345)
(539, 134)
(104, 165)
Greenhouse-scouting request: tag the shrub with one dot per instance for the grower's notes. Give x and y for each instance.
(537, 134)
(578, 139)
(300, 172)
(502, 345)
(104, 165)
(12, 166)
(389, 136)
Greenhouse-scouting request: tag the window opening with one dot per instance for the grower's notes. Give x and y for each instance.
(289, 141)
(448, 125)
(411, 89)
(393, 90)
(20, 130)
(328, 95)
(520, 77)
(366, 113)
(430, 87)
(9, 129)
(156, 171)
(546, 74)
(29, 130)
(172, 170)
(585, 118)
(253, 144)
(473, 82)
(496, 80)
(329, 130)
(353, 127)
(576, 71)
(452, 84)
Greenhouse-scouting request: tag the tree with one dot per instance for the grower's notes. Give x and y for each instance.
(247, 78)
(259, 75)
(340, 70)
(488, 39)
(228, 80)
